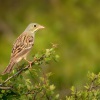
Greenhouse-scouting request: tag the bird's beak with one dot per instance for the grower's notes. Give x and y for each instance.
(40, 27)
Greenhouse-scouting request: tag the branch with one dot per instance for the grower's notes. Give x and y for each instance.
(16, 74)
(92, 83)
(5, 88)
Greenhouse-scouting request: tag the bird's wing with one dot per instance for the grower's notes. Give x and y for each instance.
(22, 45)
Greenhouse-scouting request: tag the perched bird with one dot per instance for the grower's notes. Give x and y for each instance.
(22, 46)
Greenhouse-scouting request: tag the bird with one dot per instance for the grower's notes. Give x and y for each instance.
(22, 46)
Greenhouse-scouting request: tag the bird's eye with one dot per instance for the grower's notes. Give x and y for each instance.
(34, 25)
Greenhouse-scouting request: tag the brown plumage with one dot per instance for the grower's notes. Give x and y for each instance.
(22, 46)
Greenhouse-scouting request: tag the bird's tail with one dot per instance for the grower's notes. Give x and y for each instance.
(9, 68)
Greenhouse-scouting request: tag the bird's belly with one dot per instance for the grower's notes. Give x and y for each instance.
(19, 59)
(22, 57)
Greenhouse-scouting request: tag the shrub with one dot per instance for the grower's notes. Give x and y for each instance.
(32, 84)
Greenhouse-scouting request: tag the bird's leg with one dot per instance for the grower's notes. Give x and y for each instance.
(30, 63)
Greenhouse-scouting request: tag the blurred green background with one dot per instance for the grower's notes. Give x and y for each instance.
(73, 24)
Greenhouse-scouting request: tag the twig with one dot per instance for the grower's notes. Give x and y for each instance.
(5, 88)
(16, 74)
(92, 83)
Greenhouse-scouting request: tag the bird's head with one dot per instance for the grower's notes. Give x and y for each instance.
(33, 27)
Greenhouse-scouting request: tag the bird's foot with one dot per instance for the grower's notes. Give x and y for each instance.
(30, 64)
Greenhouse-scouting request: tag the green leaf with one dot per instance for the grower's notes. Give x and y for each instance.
(52, 87)
(72, 88)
